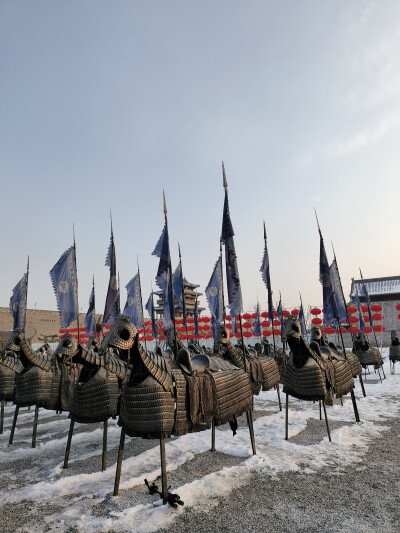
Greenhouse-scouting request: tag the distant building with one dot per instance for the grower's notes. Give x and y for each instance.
(385, 291)
(190, 300)
(46, 324)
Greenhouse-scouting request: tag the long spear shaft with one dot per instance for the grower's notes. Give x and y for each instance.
(76, 272)
(141, 303)
(343, 297)
(26, 291)
(171, 282)
(183, 296)
(272, 305)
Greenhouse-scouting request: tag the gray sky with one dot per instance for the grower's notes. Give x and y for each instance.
(103, 104)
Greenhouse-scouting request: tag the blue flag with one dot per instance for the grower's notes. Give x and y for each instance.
(279, 312)
(133, 306)
(265, 274)
(179, 290)
(364, 293)
(215, 297)
(150, 310)
(18, 302)
(329, 304)
(257, 322)
(65, 284)
(196, 319)
(111, 308)
(163, 277)
(232, 271)
(338, 291)
(90, 319)
(302, 321)
(356, 302)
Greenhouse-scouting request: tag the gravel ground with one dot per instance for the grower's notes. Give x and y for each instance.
(360, 497)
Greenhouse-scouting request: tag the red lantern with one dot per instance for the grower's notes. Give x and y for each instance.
(329, 330)
(368, 329)
(267, 323)
(398, 307)
(208, 319)
(246, 325)
(377, 317)
(276, 323)
(366, 318)
(147, 322)
(315, 311)
(342, 329)
(208, 336)
(190, 320)
(353, 330)
(179, 320)
(247, 334)
(264, 314)
(316, 321)
(285, 312)
(275, 314)
(398, 316)
(364, 308)
(352, 309)
(379, 328)
(277, 331)
(150, 338)
(246, 316)
(376, 308)
(353, 320)
(266, 332)
(295, 312)
(254, 315)
(191, 328)
(162, 337)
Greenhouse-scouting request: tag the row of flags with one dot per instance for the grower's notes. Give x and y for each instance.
(65, 284)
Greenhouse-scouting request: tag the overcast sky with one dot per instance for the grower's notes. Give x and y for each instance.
(105, 104)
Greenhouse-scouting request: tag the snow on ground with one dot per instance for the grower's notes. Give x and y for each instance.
(82, 494)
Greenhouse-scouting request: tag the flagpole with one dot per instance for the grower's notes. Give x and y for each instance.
(183, 296)
(369, 310)
(141, 302)
(272, 305)
(76, 272)
(225, 184)
(222, 282)
(343, 297)
(152, 306)
(26, 292)
(171, 280)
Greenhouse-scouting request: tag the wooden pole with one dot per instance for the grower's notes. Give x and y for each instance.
(67, 449)
(13, 425)
(35, 423)
(104, 454)
(119, 462)
(164, 488)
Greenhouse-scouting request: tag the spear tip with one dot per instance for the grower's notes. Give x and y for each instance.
(265, 231)
(316, 216)
(27, 265)
(179, 250)
(112, 232)
(165, 204)
(225, 183)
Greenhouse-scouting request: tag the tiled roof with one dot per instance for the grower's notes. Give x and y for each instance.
(377, 286)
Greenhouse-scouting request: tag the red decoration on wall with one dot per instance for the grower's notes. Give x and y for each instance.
(377, 317)
(329, 330)
(352, 309)
(295, 312)
(315, 311)
(266, 332)
(316, 321)
(276, 322)
(379, 328)
(264, 314)
(376, 308)
(353, 320)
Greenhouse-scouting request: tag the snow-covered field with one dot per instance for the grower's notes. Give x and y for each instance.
(37, 495)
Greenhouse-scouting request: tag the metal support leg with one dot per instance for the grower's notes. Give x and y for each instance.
(326, 420)
(383, 372)
(251, 430)
(379, 374)
(279, 397)
(353, 399)
(119, 462)
(13, 425)
(35, 423)
(341, 401)
(287, 417)
(104, 456)
(164, 488)
(213, 436)
(320, 410)
(2, 417)
(67, 449)
(362, 384)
